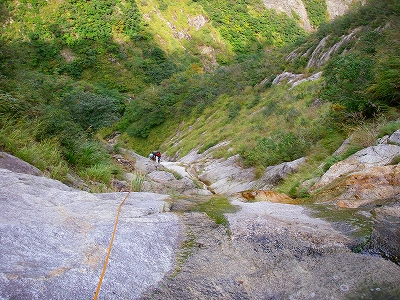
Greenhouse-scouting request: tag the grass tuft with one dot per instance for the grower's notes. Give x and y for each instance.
(215, 208)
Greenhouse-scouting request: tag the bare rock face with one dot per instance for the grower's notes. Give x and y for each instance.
(54, 240)
(275, 251)
(227, 176)
(338, 7)
(335, 8)
(275, 174)
(297, 250)
(15, 164)
(394, 138)
(368, 182)
(321, 54)
(380, 155)
(166, 183)
(366, 177)
(198, 21)
(385, 237)
(288, 6)
(373, 185)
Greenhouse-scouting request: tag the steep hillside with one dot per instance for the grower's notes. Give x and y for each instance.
(69, 68)
(183, 75)
(250, 107)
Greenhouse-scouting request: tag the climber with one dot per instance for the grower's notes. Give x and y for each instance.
(155, 156)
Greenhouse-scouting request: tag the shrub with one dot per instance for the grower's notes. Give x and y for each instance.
(234, 110)
(317, 11)
(347, 77)
(87, 153)
(277, 149)
(91, 111)
(43, 155)
(386, 87)
(12, 105)
(57, 123)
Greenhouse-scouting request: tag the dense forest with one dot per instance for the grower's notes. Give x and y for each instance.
(75, 73)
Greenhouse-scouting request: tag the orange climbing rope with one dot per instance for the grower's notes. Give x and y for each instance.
(109, 249)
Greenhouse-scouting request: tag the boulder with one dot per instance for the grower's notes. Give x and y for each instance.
(226, 176)
(166, 183)
(385, 237)
(12, 163)
(370, 186)
(380, 155)
(161, 176)
(275, 174)
(394, 138)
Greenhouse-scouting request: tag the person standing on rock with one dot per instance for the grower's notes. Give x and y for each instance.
(155, 156)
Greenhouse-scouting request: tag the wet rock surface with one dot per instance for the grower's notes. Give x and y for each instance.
(274, 251)
(385, 237)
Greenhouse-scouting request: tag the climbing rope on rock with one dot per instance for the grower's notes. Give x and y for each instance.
(109, 249)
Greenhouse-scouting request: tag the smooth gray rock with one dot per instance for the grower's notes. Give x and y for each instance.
(291, 7)
(15, 164)
(166, 183)
(337, 7)
(395, 138)
(54, 239)
(275, 174)
(227, 176)
(160, 176)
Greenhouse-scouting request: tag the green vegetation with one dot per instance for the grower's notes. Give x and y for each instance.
(317, 12)
(347, 78)
(388, 128)
(137, 181)
(187, 248)
(248, 26)
(215, 208)
(50, 121)
(167, 79)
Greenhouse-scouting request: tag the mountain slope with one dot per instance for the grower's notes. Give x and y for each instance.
(188, 76)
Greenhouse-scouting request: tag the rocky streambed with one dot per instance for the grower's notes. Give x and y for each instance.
(274, 251)
(54, 239)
